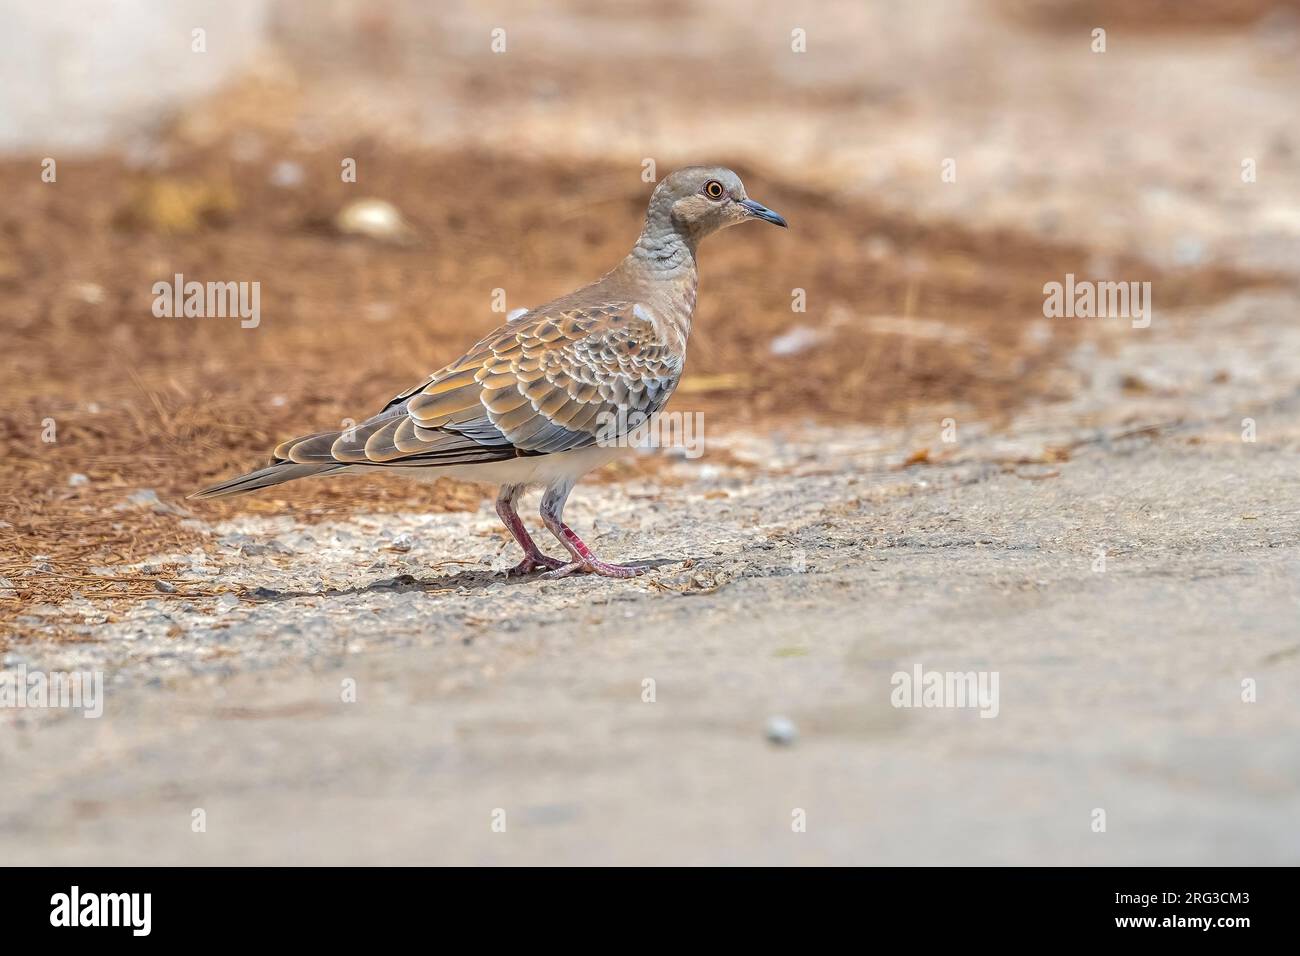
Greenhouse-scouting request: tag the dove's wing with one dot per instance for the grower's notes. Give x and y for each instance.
(555, 380)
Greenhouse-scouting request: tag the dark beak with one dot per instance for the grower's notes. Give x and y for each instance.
(759, 211)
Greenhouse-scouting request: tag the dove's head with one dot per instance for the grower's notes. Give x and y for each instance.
(700, 200)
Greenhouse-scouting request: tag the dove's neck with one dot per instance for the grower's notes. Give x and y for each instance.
(661, 268)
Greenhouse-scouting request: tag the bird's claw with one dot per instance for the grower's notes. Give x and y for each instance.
(593, 566)
(531, 563)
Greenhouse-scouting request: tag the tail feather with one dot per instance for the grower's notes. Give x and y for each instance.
(264, 478)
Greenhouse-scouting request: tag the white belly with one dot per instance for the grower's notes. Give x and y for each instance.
(534, 470)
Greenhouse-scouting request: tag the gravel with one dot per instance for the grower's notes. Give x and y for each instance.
(781, 597)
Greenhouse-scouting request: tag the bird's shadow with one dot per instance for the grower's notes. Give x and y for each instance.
(468, 580)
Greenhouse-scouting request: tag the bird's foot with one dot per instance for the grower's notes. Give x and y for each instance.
(593, 566)
(534, 562)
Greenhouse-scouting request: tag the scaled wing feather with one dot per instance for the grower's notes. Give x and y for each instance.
(556, 381)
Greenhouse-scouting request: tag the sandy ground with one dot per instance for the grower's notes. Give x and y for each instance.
(1119, 689)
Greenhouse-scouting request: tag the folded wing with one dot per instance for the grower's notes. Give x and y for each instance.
(549, 382)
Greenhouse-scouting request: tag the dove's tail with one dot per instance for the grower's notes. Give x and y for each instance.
(264, 478)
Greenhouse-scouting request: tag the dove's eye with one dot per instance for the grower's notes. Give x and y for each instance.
(713, 189)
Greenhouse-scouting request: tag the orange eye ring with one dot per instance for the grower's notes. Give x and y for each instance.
(713, 189)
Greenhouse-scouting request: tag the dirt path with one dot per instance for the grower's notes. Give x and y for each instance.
(815, 580)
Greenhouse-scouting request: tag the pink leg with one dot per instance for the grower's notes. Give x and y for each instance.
(584, 561)
(533, 556)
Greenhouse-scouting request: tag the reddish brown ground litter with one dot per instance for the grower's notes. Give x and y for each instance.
(172, 404)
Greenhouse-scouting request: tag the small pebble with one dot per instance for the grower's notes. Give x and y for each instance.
(374, 219)
(287, 174)
(781, 730)
(88, 292)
